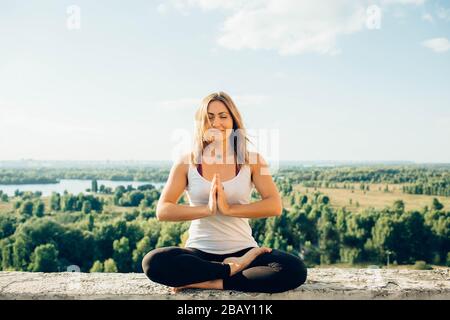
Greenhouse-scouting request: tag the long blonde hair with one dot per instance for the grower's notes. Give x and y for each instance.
(202, 122)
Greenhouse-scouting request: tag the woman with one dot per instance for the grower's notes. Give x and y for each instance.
(221, 252)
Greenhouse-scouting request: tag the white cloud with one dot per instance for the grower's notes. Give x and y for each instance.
(415, 2)
(293, 27)
(428, 17)
(212, 4)
(288, 26)
(438, 45)
(162, 8)
(443, 13)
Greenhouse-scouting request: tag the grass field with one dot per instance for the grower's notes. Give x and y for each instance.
(5, 206)
(374, 197)
(339, 198)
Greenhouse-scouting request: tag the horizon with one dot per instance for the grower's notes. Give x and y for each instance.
(318, 161)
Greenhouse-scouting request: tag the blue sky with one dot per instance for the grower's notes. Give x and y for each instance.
(318, 73)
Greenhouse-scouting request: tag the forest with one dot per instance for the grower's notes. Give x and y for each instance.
(110, 230)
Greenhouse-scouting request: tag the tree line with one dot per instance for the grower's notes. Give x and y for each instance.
(41, 238)
(438, 188)
(46, 175)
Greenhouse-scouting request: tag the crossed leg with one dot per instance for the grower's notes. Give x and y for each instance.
(257, 270)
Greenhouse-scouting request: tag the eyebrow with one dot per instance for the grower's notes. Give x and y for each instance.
(218, 112)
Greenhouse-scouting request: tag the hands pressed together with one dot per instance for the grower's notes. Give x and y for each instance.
(217, 198)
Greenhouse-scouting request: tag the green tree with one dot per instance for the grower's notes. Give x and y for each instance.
(26, 208)
(44, 258)
(142, 248)
(276, 230)
(300, 228)
(110, 265)
(21, 253)
(303, 200)
(68, 202)
(437, 205)
(417, 237)
(38, 208)
(91, 222)
(122, 254)
(169, 236)
(386, 237)
(311, 254)
(399, 206)
(4, 197)
(94, 187)
(6, 252)
(77, 247)
(135, 198)
(97, 267)
(87, 208)
(55, 201)
(7, 225)
(328, 237)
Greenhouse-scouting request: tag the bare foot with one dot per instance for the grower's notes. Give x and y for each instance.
(240, 263)
(177, 289)
(211, 284)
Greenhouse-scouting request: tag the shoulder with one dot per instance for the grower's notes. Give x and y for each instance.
(182, 162)
(256, 161)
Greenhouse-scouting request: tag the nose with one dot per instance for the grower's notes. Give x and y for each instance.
(215, 124)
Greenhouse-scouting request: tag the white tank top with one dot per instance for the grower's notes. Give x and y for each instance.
(220, 234)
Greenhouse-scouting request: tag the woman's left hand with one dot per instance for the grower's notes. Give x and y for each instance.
(222, 203)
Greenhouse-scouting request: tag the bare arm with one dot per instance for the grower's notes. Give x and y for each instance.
(270, 205)
(167, 208)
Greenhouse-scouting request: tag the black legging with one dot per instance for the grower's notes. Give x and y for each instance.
(272, 272)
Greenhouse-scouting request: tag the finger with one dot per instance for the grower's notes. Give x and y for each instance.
(218, 182)
(219, 190)
(220, 185)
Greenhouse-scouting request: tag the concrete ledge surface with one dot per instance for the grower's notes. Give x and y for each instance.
(322, 283)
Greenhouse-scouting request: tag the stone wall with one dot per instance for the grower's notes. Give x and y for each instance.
(329, 283)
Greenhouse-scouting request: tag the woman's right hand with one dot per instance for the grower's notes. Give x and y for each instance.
(212, 203)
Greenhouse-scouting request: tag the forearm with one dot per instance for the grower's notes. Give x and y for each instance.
(260, 209)
(176, 212)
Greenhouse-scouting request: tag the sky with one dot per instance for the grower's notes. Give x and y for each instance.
(337, 80)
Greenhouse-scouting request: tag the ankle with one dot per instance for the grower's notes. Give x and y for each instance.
(234, 268)
(219, 284)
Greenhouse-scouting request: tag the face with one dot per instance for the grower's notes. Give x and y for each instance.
(220, 118)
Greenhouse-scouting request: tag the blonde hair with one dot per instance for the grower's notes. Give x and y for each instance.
(238, 138)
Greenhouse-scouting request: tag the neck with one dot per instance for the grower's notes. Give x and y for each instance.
(223, 151)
